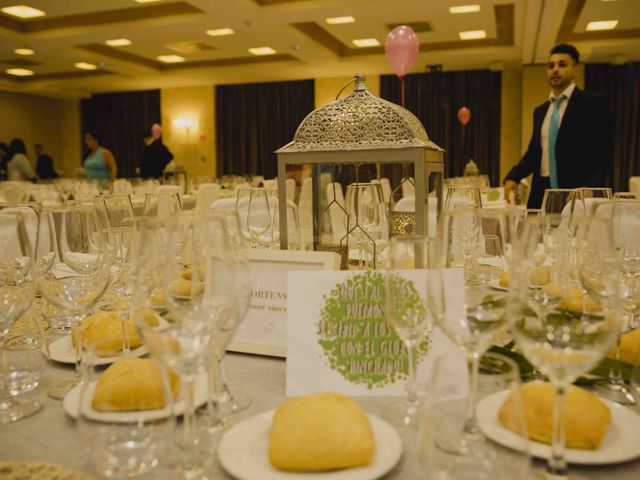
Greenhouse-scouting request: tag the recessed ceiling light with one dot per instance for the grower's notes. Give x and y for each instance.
(366, 42)
(220, 32)
(171, 58)
(86, 66)
(473, 35)
(464, 9)
(23, 11)
(118, 42)
(339, 20)
(262, 51)
(602, 25)
(146, 1)
(19, 72)
(23, 51)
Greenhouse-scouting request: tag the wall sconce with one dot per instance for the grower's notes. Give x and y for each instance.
(185, 123)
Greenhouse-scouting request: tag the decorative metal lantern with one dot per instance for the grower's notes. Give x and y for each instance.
(361, 129)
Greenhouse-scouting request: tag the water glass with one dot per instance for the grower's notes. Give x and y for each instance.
(128, 433)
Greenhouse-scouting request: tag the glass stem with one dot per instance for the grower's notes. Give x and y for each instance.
(557, 466)
(473, 365)
(212, 398)
(5, 397)
(76, 325)
(615, 373)
(189, 436)
(412, 388)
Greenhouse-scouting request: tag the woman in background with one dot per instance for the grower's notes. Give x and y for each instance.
(99, 163)
(18, 165)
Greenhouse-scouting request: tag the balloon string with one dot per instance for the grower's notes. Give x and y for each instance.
(402, 90)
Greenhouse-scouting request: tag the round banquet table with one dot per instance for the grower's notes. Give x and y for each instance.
(51, 436)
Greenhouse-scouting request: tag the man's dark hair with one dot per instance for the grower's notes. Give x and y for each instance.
(568, 49)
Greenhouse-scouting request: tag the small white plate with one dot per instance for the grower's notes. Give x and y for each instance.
(71, 405)
(495, 284)
(63, 351)
(243, 453)
(619, 444)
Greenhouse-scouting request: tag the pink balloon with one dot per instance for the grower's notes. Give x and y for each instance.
(401, 47)
(464, 115)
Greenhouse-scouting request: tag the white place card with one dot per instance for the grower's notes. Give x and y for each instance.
(338, 339)
(264, 328)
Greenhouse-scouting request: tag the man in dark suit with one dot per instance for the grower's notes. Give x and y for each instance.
(572, 141)
(156, 155)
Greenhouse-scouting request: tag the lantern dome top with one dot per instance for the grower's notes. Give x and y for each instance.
(360, 121)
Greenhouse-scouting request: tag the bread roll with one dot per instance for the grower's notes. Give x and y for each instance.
(104, 330)
(586, 417)
(320, 432)
(629, 348)
(539, 276)
(132, 384)
(186, 288)
(158, 298)
(575, 300)
(505, 279)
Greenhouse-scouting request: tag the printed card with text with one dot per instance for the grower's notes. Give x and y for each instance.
(338, 338)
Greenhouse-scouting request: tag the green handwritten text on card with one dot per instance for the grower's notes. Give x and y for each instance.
(356, 340)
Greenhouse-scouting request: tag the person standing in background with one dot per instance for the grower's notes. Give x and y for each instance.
(18, 165)
(3, 160)
(572, 141)
(99, 162)
(44, 163)
(156, 155)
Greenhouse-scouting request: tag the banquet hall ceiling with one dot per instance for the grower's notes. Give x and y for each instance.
(72, 31)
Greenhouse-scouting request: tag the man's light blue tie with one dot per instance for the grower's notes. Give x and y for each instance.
(553, 136)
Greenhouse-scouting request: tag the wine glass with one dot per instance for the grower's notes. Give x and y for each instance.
(562, 330)
(565, 201)
(202, 309)
(460, 234)
(259, 218)
(625, 222)
(224, 401)
(125, 413)
(116, 208)
(16, 295)
(294, 241)
(444, 421)
(79, 275)
(462, 196)
(367, 224)
(161, 204)
(593, 196)
(414, 297)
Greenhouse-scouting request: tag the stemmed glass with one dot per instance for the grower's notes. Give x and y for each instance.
(565, 201)
(161, 204)
(445, 415)
(203, 309)
(367, 223)
(412, 315)
(259, 218)
(125, 430)
(116, 208)
(79, 277)
(483, 319)
(563, 331)
(16, 294)
(464, 196)
(625, 221)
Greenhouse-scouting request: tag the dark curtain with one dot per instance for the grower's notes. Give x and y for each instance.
(436, 97)
(121, 119)
(254, 120)
(621, 85)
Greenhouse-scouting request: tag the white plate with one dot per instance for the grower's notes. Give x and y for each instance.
(495, 284)
(619, 444)
(63, 351)
(71, 404)
(243, 453)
